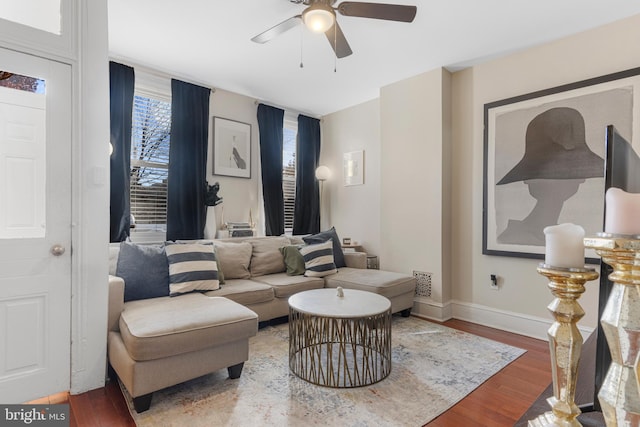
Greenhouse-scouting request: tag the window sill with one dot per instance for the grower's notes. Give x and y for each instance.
(147, 236)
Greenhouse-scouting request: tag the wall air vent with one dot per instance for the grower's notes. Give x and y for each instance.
(423, 288)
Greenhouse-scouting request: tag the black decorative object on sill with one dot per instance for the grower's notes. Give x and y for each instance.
(211, 198)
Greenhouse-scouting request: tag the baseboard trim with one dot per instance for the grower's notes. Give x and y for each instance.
(429, 309)
(518, 323)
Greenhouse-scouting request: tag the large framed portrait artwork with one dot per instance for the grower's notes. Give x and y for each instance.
(544, 160)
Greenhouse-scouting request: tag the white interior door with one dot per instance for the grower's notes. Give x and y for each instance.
(35, 227)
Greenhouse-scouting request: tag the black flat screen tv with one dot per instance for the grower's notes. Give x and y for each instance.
(622, 170)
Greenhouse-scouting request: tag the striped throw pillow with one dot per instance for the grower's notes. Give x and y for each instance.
(192, 267)
(318, 259)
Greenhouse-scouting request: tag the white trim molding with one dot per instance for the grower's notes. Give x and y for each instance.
(518, 323)
(429, 309)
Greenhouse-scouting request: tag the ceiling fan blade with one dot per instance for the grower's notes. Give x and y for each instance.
(276, 30)
(389, 12)
(338, 41)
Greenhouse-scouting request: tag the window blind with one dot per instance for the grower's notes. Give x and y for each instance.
(149, 161)
(290, 132)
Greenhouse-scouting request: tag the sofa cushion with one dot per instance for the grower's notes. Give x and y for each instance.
(114, 250)
(338, 255)
(163, 327)
(318, 259)
(385, 283)
(192, 267)
(284, 285)
(244, 291)
(144, 269)
(293, 260)
(297, 239)
(234, 259)
(266, 257)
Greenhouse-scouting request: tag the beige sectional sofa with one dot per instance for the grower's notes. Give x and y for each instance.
(157, 342)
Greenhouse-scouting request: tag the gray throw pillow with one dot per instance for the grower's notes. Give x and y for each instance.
(338, 255)
(145, 271)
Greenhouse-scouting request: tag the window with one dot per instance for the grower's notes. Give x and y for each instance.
(290, 133)
(150, 139)
(20, 82)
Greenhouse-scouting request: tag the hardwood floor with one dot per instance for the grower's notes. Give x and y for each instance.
(506, 396)
(499, 402)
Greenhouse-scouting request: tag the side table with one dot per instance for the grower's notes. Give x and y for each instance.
(339, 341)
(372, 262)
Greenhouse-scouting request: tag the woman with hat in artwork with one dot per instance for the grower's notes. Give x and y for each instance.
(556, 161)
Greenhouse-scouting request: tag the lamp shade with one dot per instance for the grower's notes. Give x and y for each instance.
(323, 173)
(319, 17)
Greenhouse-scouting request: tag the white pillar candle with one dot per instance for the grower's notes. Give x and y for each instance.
(564, 246)
(622, 214)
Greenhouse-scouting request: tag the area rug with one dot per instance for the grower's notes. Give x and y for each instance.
(433, 367)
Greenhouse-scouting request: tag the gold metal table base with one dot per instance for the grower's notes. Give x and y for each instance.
(340, 352)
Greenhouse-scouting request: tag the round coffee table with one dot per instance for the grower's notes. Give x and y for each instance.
(340, 341)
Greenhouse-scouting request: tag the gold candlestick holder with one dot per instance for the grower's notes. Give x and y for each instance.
(619, 396)
(565, 342)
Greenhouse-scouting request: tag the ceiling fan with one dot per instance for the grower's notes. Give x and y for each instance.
(320, 17)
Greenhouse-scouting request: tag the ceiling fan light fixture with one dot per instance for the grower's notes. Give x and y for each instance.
(319, 17)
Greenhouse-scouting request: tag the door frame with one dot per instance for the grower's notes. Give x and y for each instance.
(85, 48)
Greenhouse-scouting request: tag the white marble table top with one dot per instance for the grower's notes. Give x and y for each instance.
(326, 303)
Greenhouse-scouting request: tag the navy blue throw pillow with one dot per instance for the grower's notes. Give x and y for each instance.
(323, 236)
(145, 271)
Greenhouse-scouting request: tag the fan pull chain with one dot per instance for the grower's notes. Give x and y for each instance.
(335, 46)
(301, 34)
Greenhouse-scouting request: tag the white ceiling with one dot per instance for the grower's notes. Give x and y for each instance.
(208, 42)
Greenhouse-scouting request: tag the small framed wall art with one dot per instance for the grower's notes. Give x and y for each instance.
(353, 168)
(231, 148)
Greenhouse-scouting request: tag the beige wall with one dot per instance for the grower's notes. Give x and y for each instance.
(414, 158)
(398, 213)
(353, 210)
(239, 194)
(430, 202)
(590, 54)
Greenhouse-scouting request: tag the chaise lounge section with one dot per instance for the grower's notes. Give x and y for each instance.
(159, 342)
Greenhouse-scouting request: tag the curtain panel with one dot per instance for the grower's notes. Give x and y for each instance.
(306, 217)
(121, 86)
(187, 182)
(270, 123)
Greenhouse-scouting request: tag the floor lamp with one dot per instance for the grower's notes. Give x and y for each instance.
(323, 173)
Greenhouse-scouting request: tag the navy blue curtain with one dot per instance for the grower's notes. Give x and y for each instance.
(121, 83)
(187, 182)
(306, 217)
(270, 123)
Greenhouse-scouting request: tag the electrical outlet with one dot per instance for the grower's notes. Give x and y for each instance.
(494, 282)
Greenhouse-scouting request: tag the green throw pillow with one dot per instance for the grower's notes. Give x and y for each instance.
(293, 260)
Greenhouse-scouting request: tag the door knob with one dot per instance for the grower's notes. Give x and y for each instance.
(57, 250)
